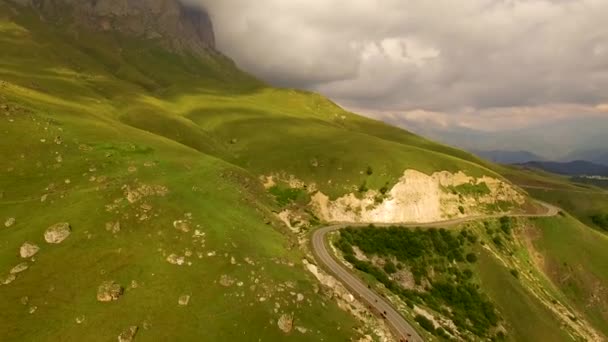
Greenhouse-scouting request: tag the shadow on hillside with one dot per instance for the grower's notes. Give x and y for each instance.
(82, 66)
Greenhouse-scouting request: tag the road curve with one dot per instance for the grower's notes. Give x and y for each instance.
(400, 327)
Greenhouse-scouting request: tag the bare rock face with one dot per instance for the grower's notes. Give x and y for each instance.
(9, 222)
(178, 26)
(128, 335)
(109, 291)
(57, 233)
(7, 279)
(28, 250)
(285, 323)
(183, 300)
(20, 268)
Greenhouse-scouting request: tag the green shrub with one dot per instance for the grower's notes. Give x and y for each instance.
(601, 221)
(505, 225)
(497, 240)
(369, 171)
(471, 258)
(285, 196)
(384, 189)
(363, 187)
(515, 273)
(390, 267)
(470, 189)
(425, 323)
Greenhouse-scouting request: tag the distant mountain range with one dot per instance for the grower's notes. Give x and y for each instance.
(564, 140)
(508, 157)
(598, 156)
(573, 168)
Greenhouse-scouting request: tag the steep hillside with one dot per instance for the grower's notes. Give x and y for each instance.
(147, 185)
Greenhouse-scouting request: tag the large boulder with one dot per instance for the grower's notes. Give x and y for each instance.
(128, 335)
(57, 232)
(28, 250)
(20, 268)
(285, 323)
(109, 291)
(9, 222)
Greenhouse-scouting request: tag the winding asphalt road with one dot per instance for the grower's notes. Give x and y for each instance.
(400, 327)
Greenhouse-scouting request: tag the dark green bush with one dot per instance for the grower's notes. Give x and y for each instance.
(390, 267)
(471, 258)
(425, 323)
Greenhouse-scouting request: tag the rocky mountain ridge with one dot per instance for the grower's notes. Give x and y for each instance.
(179, 27)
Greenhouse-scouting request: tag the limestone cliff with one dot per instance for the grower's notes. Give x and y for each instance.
(178, 26)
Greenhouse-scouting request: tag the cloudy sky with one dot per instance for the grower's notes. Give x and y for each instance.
(480, 64)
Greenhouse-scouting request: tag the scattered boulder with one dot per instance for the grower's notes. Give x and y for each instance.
(226, 280)
(175, 259)
(80, 319)
(19, 268)
(28, 250)
(300, 297)
(128, 335)
(184, 300)
(8, 279)
(58, 140)
(113, 227)
(109, 291)
(182, 225)
(57, 233)
(285, 323)
(9, 222)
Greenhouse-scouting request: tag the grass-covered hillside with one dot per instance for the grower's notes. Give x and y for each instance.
(507, 279)
(151, 162)
(587, 202)
(135, 199)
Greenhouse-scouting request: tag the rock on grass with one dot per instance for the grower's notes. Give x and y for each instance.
(128, 335)
(57, 232)
(19, 268)
(28, 250)
(109, 291)
(8, 279)
(9, 222)
(184, 300)
(285, 323)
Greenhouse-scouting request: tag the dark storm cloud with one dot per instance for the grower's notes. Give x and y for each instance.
(442, 55)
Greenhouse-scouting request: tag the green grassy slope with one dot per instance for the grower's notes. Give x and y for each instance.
(99, 128)
(580, 200)
(576, 259)
(449, 273)
(87, 118)
(79, 89)
(527, 319)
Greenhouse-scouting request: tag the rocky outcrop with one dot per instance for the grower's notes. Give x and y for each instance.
(57, 233)
(176, 25)
(285, 323)
(28, 250)
(109, 291)
(129, 334)
(418, 197)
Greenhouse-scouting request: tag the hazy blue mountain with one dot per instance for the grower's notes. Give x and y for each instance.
(552, 141)
(508, 157)
(598, 156)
